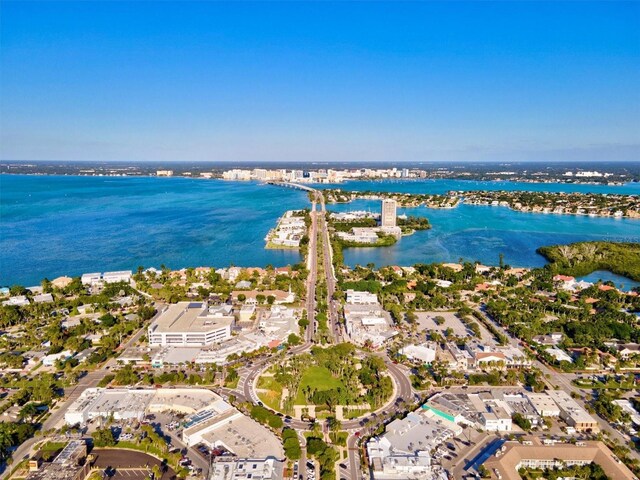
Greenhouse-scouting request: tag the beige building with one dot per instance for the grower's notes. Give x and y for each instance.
(388, 217)
(532, 454)
(543, 404)
(190, 324)
(572, 413)
(61, 282)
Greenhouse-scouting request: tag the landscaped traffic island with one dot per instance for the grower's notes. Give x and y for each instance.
(338, 380)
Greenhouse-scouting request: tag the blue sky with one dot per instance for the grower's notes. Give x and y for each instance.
(320, 81)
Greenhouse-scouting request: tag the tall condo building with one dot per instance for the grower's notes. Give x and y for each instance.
(388, 213)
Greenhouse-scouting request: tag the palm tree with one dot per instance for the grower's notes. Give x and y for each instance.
(28, 411)
(335, 425)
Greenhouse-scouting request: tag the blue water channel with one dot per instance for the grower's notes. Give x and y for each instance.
(67, 225)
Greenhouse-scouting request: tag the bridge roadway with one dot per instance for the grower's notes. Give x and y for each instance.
(296, 186)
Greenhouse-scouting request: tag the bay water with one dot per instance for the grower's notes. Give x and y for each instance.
(69, 225)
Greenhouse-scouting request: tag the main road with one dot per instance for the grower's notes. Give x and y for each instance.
(312, 266)
(327, 255)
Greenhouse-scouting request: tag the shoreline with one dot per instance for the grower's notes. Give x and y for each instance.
(364, 179)
(460, 200)
(623, 217)
(486, 264)
(575, 214)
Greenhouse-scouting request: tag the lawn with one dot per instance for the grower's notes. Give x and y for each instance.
(354, 413)
(272, 397)
(318, 378)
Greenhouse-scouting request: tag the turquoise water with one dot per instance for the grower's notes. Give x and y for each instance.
(439, 186)
(482, 233)
(57, 225)
(65, 225)
(623, 283)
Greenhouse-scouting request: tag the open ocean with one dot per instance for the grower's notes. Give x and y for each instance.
(68, 225)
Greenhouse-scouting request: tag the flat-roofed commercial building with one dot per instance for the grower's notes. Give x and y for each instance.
(425, 353)
(496, 419)
(190, 324)
(230, 468)
(532, 454)
(368, 323)
(483, 409)
(134, 404)
(222, 426)
(404, 450)
(544, 404)
(571, 412)
(68, 465)
(361, 298)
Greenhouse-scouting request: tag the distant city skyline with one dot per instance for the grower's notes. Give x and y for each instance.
(320, 82)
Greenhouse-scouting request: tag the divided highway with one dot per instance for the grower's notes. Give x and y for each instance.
(312, 278)
(327, 254)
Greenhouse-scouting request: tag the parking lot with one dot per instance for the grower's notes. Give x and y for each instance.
(459, 450)
(130, 474)
(127, 464)
(426, 321)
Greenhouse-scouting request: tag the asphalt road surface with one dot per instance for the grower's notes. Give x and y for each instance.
(334, 324)
(354, 458)
(312, 278)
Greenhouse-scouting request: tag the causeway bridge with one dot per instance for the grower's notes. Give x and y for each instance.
(296, 186)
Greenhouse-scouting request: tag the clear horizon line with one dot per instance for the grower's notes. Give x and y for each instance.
(382, 162)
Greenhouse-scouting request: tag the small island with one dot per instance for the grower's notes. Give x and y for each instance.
(368, 229)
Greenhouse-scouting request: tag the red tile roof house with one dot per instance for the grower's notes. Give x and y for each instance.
(252, 270)
(563, 278)
(397, 270)
(483, 287)
(606, 288)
